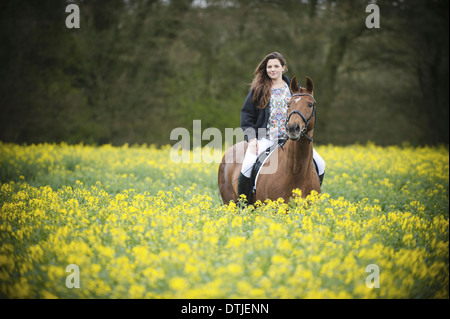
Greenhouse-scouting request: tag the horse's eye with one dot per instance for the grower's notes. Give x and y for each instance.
(310, 104)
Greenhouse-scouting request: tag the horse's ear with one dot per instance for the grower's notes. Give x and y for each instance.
(309, 85)
(294, 85)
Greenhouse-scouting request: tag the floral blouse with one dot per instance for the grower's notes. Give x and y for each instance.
(278, 108)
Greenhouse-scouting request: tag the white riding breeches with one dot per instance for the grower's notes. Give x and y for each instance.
(263, 144)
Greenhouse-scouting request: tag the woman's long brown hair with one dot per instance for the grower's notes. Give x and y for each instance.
(261, 83)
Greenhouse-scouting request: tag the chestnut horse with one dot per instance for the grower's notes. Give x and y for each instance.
(293, 162)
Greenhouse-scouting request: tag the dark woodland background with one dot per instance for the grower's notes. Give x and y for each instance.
(136, 69)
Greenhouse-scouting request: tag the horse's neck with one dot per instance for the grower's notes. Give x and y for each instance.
(299, 156)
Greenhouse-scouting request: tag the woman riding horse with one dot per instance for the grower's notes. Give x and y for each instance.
(263, 117)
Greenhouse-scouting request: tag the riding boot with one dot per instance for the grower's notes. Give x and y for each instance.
(244, 186)
(321, 178)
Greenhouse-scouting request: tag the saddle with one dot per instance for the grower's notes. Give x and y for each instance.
(261, 160)
(264, 156)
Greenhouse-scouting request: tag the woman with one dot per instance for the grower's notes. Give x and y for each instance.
(263, 116)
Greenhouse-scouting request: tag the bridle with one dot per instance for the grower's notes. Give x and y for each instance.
(306, 121)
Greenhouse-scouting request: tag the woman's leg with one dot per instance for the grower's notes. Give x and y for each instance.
(320, 164)
(250, 158)
(247, 164)
(245, 184)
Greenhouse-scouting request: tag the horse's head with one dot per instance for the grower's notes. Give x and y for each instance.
(301, 111)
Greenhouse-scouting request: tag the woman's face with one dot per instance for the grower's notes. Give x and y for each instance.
(274, 69)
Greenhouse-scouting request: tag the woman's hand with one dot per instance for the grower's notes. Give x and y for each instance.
(253, 146)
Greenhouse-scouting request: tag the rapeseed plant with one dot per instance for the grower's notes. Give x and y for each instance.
(138, 226)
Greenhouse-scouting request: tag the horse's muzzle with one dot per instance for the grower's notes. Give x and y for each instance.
(294, 131)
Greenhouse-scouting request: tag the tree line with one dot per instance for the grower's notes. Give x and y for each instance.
(136, 69)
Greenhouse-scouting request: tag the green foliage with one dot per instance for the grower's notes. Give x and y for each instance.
(137, 69)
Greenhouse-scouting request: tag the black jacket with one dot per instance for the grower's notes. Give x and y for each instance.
(253, 118)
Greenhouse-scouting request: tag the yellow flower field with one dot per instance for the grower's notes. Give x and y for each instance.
(139, 226)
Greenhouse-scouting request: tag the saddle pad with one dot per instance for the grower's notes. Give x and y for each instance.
(260, 161)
